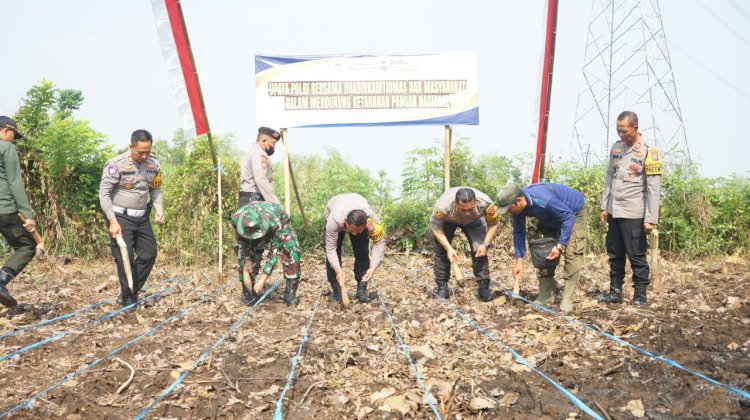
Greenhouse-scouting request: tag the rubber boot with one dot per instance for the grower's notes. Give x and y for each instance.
(336, 296)
(290, 294)
(5, 297)
(483, 291)
(248, 296)
(614, 295)
(362, 292)
(546, 290)
(566, 305)
(443, 291)
(639, 295)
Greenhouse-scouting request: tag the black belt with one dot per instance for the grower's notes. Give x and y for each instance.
(253, 196)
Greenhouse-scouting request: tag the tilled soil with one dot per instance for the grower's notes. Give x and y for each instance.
(352, 364)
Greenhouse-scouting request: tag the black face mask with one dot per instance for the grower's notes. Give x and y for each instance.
(270, 150)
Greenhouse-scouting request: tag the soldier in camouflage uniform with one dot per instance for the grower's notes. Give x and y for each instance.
(630, 207)
(473, 212)
(256, 184)
(263, 221)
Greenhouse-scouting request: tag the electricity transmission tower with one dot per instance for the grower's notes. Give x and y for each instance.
(627, 67)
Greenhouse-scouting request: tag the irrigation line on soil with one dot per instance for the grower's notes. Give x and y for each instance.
(76, 312)
(203, 355)
(277, 415)
(80, 327)
(567, 394)
(27, 403)
(620, 341)
(428, 395)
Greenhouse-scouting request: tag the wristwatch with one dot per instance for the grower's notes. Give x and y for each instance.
(560, 247)
(487, 245)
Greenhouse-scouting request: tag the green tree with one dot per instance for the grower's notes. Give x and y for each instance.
(62, 159)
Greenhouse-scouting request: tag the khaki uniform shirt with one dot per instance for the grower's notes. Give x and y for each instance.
(127, 183)
(335, 214)
(446, 210)
(633, 184)
(256, 174)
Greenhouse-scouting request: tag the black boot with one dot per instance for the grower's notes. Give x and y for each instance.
(362, 292)
(290, 294)
(336, 287)
(5, 297)
(614, 295)
(639, 297)
(248, 296)
(484, 293)
(443, 291)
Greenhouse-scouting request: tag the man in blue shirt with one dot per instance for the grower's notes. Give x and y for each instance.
(559, 210)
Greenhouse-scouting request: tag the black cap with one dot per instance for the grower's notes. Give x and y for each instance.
(270, 132)
(7, 122)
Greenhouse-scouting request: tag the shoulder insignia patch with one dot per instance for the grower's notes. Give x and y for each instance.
(156, 182)
(653, 162)
(375, 230)
(111, 169)
(439, 214)
(491, 216)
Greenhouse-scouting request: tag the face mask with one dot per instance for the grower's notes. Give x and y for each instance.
(270, 150)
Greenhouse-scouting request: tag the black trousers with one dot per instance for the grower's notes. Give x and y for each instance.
(256, 256)
(475, 233)
(627, 237)
(23, 244)
(361, 248)
(139, 237)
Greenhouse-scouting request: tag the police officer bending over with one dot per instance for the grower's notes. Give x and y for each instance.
(126, 183)
(350, 213)
(473, 212)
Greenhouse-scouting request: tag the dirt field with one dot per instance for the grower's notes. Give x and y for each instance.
(353, 366)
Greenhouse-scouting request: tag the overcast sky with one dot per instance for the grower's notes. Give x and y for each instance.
(109, 50)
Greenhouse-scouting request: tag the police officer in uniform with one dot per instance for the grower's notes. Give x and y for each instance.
(127, 182)
(473, 212)
(630, 207)
(256, 184)
(350, 213)
(13, 200)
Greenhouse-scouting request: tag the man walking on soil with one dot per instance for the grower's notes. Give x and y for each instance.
(127, 182)
(630, 206)
(263, 221)
(13, 201)
(561, 213)
(256, 184)
(473, 212)
(350, 213)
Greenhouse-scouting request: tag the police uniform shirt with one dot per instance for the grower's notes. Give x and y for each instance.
(633, 183)
(447, 210)
(127, 183)
(256, 174)
(335, 214)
